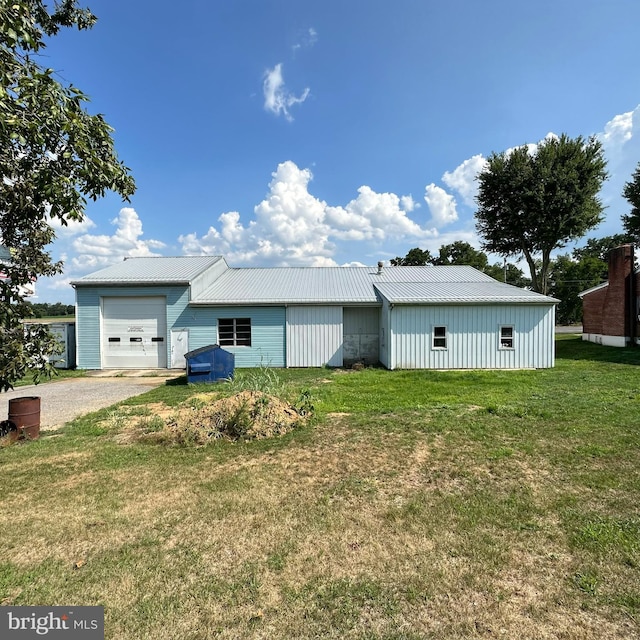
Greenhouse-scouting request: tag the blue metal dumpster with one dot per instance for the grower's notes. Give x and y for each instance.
(209, 364)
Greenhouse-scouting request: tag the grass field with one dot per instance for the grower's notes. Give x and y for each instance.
(424, 504)
(60, 374)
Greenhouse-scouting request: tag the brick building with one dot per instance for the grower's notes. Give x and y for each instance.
(610, 310)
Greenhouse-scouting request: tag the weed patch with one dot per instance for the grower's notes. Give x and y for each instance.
(247, 415)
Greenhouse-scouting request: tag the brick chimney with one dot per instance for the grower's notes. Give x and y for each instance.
(617, 304)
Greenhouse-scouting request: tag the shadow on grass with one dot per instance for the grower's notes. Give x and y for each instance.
(574, 348)
(174, 382)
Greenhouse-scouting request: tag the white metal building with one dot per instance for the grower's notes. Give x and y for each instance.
(148, 312)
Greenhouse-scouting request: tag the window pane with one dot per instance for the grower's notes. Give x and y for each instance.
(234, 332)
(225, 331)
(243, 332)
(439, 337)
(506, 337)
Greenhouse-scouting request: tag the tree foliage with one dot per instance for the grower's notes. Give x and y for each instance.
(51, 309)
(631, 191)
(462, 253)
(567, 278)
(54, 156)
(415, 257)
(508, 273)
(600, 248)
(531, 204)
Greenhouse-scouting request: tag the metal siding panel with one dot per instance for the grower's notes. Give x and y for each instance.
(88, 328)
(361, 320)
(205, 279)
(267, 332)
(385, 336)
(473, 337)
(314, 336)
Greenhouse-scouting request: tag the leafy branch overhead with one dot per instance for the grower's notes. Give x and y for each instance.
(54, 155)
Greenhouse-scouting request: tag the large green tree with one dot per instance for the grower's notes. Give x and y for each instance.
(531, 204)
(631, 191)
(54, 156)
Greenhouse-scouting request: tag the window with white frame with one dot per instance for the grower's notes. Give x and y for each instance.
(506, 337)
(234, 332)
(439, 339)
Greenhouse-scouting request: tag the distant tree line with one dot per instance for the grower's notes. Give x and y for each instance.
(46, 309)
(462, 253)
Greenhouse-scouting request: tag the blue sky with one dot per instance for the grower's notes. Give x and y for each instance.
(331, 133)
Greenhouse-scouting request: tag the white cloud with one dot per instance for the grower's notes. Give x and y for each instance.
(441, 204)
(288, 229)
(294, 228)
(277, 98)
(308, 39)
(374, 216)
(463, 178)
(618, 130)
(98, 251)
(408, 203)
(72, 228)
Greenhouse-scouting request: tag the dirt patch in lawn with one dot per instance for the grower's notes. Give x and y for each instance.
(247, 415)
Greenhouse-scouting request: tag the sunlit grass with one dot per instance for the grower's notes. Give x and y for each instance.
(416, 505)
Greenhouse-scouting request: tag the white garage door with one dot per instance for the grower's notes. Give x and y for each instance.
(134, 333)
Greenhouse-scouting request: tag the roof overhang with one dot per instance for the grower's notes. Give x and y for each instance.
(138, 283)
(582, 294)
(284, 303)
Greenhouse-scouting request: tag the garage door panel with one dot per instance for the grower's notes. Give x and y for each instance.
(314, 336)
(134, 333)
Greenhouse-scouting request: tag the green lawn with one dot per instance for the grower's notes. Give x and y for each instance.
(59, 374)
(425, 504)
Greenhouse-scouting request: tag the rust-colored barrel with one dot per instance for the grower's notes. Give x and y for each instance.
(25, 412)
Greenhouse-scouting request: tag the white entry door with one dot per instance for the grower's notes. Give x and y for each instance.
(179, 346)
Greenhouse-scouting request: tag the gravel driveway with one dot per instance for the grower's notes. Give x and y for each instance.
(64, 400)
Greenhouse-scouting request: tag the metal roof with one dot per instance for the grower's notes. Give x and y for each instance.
(593, 289)
(316, 285)
(150, 270)
(287, 285)
(360, 285)
(468, 292)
